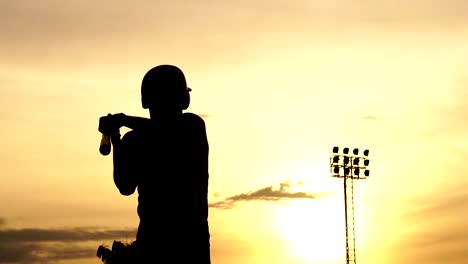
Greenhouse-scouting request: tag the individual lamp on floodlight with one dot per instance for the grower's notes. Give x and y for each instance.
(366, 152)
(346, 171)
(356, 161)
(366, 173)
(356, 171)
(336, 159)
(355, 151)
(336, 170)
(345, 150)
(346, 160)
(335, 149)
(366, 162)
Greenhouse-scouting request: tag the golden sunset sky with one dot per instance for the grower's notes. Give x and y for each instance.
(279, 83)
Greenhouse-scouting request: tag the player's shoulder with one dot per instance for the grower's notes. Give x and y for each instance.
(193, 118)
(132, 136)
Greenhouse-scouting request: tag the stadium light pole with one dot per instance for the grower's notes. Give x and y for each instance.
(349, 167)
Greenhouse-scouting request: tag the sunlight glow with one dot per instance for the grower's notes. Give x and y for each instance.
(313, 230)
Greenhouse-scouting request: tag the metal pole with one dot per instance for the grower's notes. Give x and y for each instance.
(346, 217)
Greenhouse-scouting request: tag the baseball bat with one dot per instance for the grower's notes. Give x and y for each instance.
(105, 146)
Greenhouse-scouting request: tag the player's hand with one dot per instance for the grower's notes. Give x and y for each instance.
(111, 124)
(119, 120)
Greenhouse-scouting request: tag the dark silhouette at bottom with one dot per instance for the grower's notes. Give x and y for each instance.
(121, 253)
(165, 158)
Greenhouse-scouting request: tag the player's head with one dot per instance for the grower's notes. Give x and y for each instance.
(164, 87)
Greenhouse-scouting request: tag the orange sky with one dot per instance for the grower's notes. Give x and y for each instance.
(279, 84)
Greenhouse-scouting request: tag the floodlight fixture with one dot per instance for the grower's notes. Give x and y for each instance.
(336, 170)
(356, 171)
(356, 161)
(349, 167)
(346, 160)
(336, 159)
(366, 162)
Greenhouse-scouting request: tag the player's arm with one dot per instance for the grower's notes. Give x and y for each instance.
(124, 163)
(199, 158)
(135, 122)
(123, 149)
(109, 124)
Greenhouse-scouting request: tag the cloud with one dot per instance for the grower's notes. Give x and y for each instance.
(451, 117)
(35, 245)
(265, 194)
(370, 118)
(444, 203)
(69, 235)
(438, 231)
(17, 253)
(44, 253)
(2, 222)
